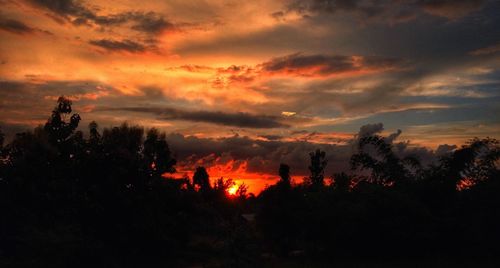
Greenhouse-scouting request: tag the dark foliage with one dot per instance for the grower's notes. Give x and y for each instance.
(317, 168)
(69, 199)
(201, 179)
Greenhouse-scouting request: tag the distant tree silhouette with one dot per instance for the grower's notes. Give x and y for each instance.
(94, 131)
(202, 179)
(341, 182)
(157, 154)
(385, 166)
(317, 167)
(221, 185)
(57, 127)
(242, 191)
(284, 173)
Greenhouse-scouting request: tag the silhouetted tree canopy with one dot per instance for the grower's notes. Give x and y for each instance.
(110, 197)
(201, 179)
(385, 166)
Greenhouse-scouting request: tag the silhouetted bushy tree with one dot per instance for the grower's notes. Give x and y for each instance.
(385, 166)
(57, 127)
(156, 154)
(201, 179)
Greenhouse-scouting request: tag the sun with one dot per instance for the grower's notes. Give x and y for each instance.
(232, 190)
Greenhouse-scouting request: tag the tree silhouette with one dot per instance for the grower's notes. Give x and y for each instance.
(284, 173)
(317, 167)
(94, 131)
(385, 166)
(201, 179)
(341, 182)
(157, 154)
(242, 191)
(221, 185)
(476, 161)
(57, 127)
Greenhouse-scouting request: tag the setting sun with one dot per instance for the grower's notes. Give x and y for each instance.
(232, 190)
(225, 133)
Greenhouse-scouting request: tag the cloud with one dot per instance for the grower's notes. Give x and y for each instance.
(30, 102)
(123, 45)
(370, 129)
(19, 27)
(451, 9)
(298, 64)
(272, 137)
(244, 120)
(486, 50)
(65, 10)
(260, 156)
(382, 10)
(263, 156)
(151, 23)
(15, 26)
(445, 148)
(79, 14)
(311, 65)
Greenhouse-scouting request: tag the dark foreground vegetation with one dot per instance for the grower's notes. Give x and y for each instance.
(69, 199)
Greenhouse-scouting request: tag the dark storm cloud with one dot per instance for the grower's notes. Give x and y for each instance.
(123, 45)
(244, 120)
(80, 14)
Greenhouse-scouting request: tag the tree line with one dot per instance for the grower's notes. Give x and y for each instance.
(66, 197)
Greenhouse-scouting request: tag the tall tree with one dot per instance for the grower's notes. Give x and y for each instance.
(284, 172)
(317, 167)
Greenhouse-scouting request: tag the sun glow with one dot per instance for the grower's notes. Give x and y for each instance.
(232, 190)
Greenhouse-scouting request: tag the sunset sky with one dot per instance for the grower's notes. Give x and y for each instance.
(241, 86)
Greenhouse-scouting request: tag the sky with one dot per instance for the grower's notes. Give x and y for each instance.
(242, 86)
